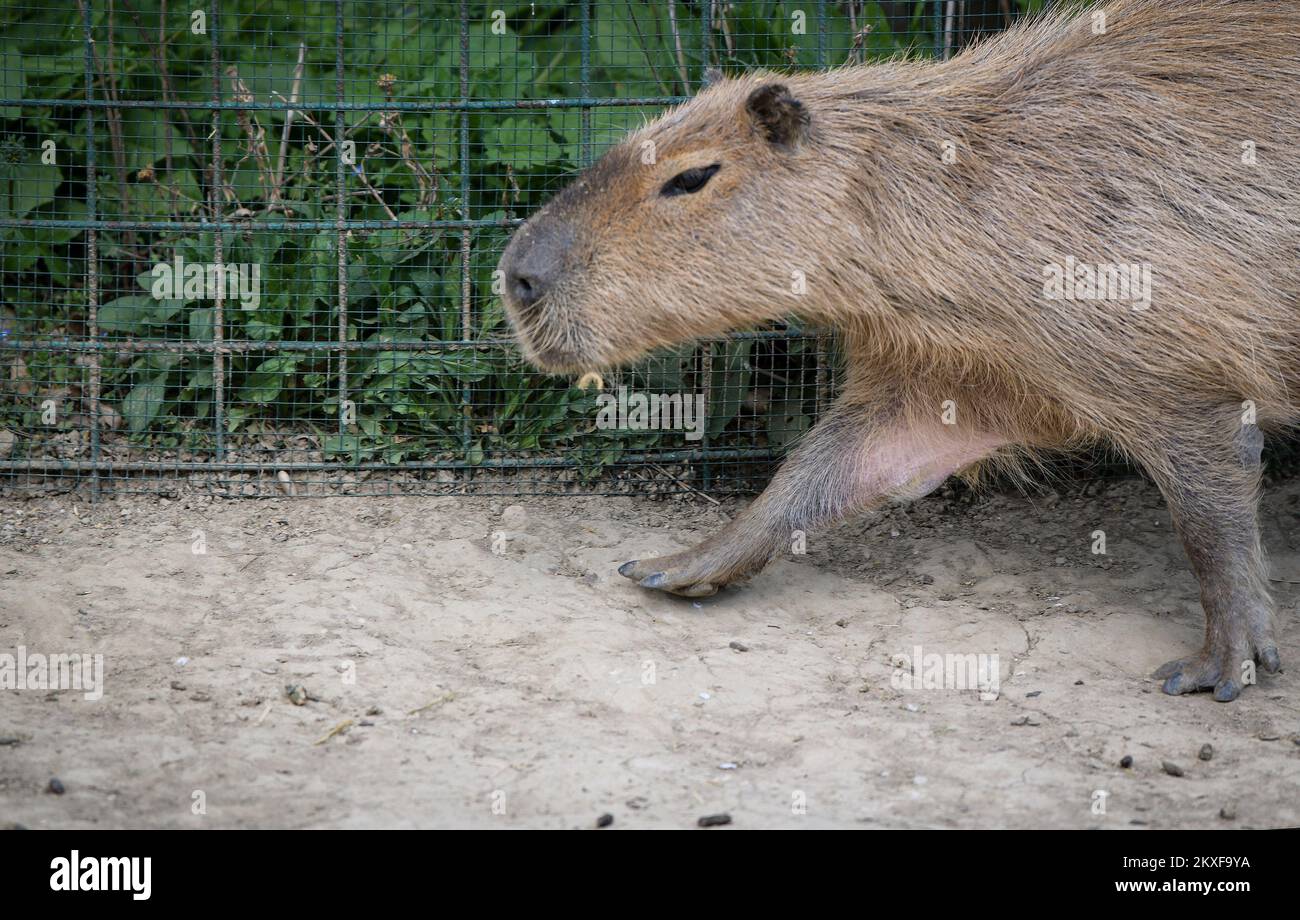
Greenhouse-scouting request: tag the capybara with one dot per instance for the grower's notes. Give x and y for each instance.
(1083, 232)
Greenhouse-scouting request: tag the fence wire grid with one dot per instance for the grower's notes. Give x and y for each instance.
(246, 246)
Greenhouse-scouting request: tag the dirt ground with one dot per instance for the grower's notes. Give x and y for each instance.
(534, 687)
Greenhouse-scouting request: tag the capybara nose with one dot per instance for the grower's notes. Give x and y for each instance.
(526, 290)
(535, 261)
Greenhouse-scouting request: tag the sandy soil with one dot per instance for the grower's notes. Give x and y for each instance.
(535, 687)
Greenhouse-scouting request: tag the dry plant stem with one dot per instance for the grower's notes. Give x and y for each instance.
(302, 114)
(859, 43)
(278, 189)
(649, 58)
(390, 123)
(169, 188)
(356, 171)
(853, 29)
(685, 484)
(720, 17)
(253, 131)
(107, 82)
(374, 193)
(677, 44)
(119, 146)
(949, 25)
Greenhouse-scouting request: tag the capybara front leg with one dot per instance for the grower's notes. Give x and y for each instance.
(853, 460)
(1212, 491)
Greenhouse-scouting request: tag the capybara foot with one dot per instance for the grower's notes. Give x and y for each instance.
(1222, 670)
(694, 573)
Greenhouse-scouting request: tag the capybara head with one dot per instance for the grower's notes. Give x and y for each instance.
(686, 228)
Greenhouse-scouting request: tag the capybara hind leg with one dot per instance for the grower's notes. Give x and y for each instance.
(853, 460)
(1212, 491)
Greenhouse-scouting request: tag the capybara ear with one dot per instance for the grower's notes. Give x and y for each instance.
(781, 117)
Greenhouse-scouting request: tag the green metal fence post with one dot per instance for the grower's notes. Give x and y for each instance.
(706, 40)
(340, 218)
(218, 241)
(584, 75)
(821, 34)
(936, 20)
(466, 237)
(92, 251)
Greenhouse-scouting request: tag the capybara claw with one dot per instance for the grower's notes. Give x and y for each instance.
(673, 574)
(1179, 684)
(1187, 675)
(662, 581)
(1209, 671)
(1225, 691)
(1226, 668)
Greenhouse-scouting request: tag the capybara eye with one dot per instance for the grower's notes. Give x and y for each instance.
(689, 180)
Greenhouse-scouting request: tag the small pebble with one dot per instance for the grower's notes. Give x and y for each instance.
(55, 787)
(1207, 752)
(714, 820)
(1171, 768)
(296, 693)
(1126, 761)
(738, 646)
(1228, 813)
(605, 820)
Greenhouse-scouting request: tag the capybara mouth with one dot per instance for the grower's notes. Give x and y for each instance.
(554, 361)
(548, 346)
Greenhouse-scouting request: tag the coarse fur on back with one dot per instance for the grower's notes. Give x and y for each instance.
(923, 210)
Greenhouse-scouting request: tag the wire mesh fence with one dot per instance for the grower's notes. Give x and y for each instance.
(247, 246)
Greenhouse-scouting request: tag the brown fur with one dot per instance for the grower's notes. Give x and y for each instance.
(1120, 147)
